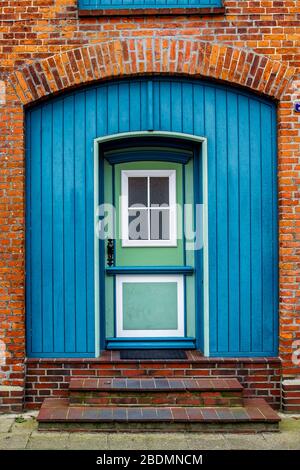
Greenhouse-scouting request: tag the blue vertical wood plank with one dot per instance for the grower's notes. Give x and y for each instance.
(36, 230)
(80, 222)
(210, 131)
(150, 122)
(275, 253)
(135, 106)
(90, 135)
(165, 108)
(222, 221)
(101, 110)
(233, 223)
(187, 106)
(28, 247)
(176, 106)
(47, 228)
(124, 107)
(198, 110)
(267, 229)
(256, 227)
(245, 229)
(69, 229)
(113, 109)
(156, 103)
(142, 114)
(58, 229)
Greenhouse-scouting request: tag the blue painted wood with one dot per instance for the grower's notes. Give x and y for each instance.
(245, 224)
(150, 104)
(90, 132)
(268, 293)
(275, 228)
(209, 131)
(222, 217)
(256, 215)
(198, 214)
(123, 4)
(58, 233)
(113, 271)
(69, 226)
(46, 227)
(233, 224)
(170, 343)
(147, 154)
(28, 250)
(35, 231)
(79, 224)
(243, 259)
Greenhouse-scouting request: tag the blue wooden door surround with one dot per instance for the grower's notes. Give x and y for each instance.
(141, 150)
(233, 138)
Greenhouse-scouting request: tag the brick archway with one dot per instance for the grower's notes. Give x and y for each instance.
(129, 57)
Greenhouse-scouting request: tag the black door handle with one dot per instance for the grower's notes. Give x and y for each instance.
(110, 250)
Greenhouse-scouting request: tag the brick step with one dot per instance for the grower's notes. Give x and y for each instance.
(155, 392)
(255, 416)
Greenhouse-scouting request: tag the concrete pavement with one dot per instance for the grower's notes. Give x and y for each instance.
(20, 432)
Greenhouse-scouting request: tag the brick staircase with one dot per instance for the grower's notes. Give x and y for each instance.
(156, 404)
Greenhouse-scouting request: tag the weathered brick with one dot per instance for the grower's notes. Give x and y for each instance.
(256, 45)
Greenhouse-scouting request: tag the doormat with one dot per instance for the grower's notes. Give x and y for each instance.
(153, 354)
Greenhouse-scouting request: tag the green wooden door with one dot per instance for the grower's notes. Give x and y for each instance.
(149, 277)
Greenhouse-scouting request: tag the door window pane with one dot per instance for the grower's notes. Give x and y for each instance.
(159, 224)
(159, 190)
(148, 208)
(137, 191)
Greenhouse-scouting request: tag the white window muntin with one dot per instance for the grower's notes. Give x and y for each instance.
(171, 174)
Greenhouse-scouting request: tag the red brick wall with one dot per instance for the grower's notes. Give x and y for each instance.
(46, 378)
(255, 43)
(291, 396)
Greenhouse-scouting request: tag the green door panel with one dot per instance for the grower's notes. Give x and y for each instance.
(151, 305)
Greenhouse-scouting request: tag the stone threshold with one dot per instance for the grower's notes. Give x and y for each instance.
(192, 356)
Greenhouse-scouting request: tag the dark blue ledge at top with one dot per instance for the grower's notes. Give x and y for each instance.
(113, 271)
(138, 4)
(148, 154)
(149, 343)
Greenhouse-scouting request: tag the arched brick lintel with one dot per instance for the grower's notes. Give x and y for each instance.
(129, 57)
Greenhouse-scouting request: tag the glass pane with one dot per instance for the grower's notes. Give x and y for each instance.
(150, 305)
(137, 191)
(160, 224)
(138, 224)
(159, 190)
